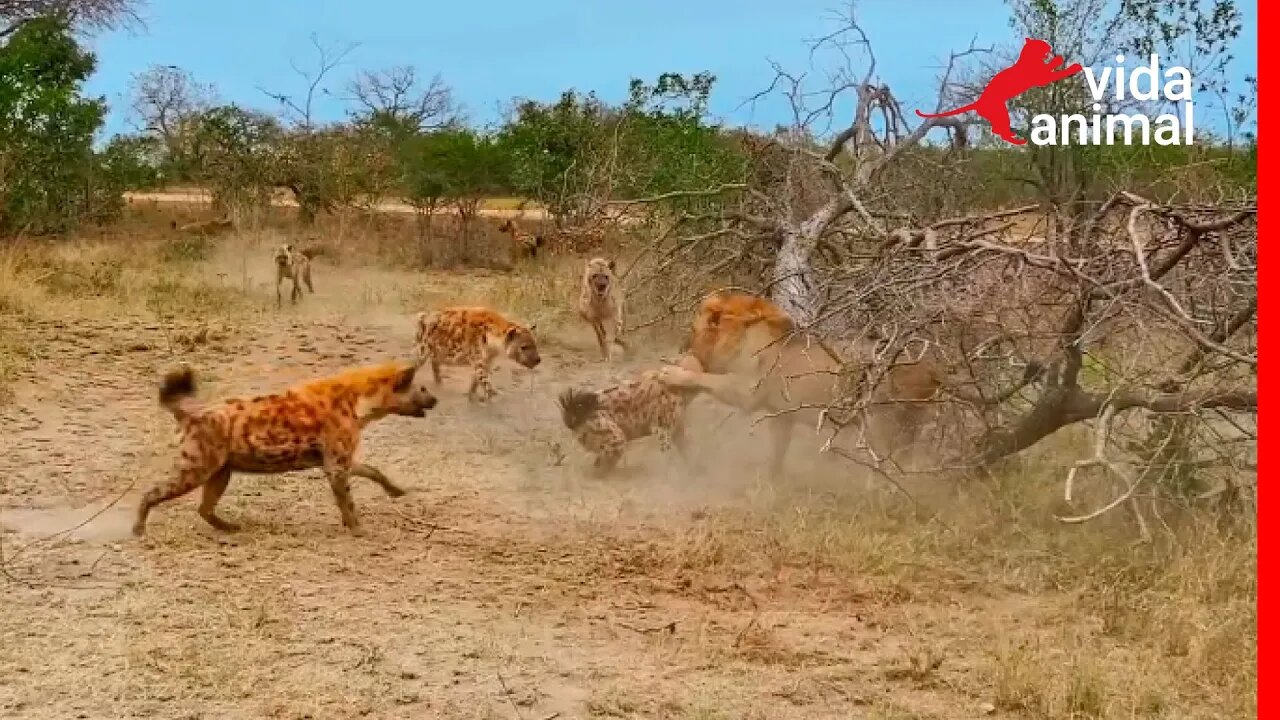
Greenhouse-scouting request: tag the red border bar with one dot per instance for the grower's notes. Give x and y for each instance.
(1268, 232)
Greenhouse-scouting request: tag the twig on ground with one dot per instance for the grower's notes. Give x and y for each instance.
(669, 627)
(755, 614)
(506, 691)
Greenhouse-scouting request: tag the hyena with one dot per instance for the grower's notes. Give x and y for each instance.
(474, 337)
(293, 264)
(315, 424)
(600, 302)
(604, 421)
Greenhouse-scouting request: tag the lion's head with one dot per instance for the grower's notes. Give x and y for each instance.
(730, 326)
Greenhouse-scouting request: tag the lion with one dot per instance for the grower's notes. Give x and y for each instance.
(756, 361)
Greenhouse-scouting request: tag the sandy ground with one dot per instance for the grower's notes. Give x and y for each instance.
(506, 584)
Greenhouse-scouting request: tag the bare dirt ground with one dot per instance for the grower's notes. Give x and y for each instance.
(508, 583)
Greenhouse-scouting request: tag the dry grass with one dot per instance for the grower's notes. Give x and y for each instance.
(726, 595)
(1113, 629)
(198, 196)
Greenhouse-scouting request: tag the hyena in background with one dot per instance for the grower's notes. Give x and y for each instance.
(293, 264)
(524, 244)
(473, 337)
(600, 303)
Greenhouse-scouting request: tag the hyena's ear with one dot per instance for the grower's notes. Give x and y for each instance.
(613, 266)
(404, 380)
(512, 332)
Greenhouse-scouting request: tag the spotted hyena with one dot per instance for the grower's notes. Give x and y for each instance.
(312, 425)
(523, 244)
(604, 421)
(295, 265)
(474, 337)
(600, 302)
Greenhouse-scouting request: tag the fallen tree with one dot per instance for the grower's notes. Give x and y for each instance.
(1133, 314)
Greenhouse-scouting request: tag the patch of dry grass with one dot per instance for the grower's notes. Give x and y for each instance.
(15, 354)
(1111, 628)
(104, 276)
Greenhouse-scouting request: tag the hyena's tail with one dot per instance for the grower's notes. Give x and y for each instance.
(577, 406)
(177, 392)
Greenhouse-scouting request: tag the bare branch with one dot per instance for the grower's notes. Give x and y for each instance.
(93, 15)
(395, 95)
(327, 59)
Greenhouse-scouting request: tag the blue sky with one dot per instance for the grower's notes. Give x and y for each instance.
(490, 52)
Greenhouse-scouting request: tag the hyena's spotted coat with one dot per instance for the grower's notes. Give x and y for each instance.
(315, 424)
(604, 421)
(524, 244)
(600, 303)
(293, 264)
(473, 337)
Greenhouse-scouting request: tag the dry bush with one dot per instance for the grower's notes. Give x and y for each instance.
(1110, 366)
(1135, 318)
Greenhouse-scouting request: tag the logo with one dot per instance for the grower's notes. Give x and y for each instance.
(1034, 68)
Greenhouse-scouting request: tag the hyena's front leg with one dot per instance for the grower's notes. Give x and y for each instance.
(601, 338)
(427, 356)
(617, 325)
(306, 275)
(609, 441)
(666, 435)
(617, 335)
(480, 380)
(297, 289)
(279, 282)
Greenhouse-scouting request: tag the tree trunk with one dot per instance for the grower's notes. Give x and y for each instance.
(794, 288)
